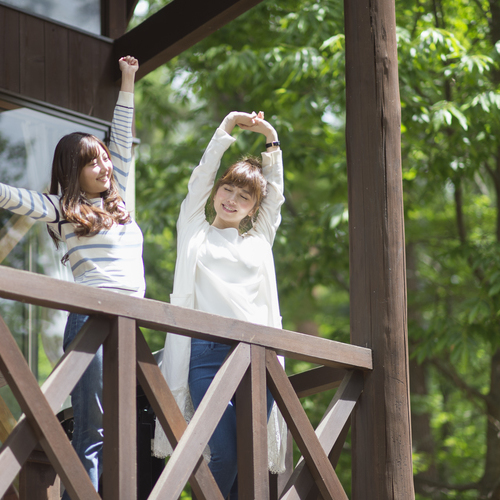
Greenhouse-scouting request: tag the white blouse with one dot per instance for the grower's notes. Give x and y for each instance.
(221, 272)
(229, 277)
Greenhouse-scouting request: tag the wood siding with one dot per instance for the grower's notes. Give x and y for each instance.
(53, 63)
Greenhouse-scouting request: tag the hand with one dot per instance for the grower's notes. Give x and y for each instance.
(261, 126)
(238, 118)
(128, 66)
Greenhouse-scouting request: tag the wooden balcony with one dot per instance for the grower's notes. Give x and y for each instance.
(115, 324)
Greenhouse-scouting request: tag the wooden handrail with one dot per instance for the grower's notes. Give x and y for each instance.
(56, 294)
(114, 323)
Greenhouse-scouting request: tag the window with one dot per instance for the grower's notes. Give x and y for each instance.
(83, 14)
(27, 141)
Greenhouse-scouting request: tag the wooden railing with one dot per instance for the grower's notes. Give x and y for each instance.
(251, 364)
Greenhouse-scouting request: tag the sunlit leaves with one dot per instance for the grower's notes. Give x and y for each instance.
(443, 112)
(288, 59)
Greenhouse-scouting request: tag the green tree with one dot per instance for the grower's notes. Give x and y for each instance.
(292, 67)
(287, 58)
(450, 97)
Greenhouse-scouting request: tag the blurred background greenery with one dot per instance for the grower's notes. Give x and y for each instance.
(287, 58)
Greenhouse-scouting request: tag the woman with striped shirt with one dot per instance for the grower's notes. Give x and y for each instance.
(85, 209)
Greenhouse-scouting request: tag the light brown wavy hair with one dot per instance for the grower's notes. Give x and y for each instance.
(245, 174)
(72, 153)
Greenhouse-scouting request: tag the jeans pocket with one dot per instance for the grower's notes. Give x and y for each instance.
(199, 348)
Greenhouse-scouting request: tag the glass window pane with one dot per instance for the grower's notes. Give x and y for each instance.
(84, 14)
(27, 142)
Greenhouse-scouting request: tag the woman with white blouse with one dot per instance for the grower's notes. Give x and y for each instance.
(226, 267)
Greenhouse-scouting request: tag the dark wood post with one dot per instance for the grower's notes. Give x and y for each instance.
(120, 413)
(251, 401)
(381, 433)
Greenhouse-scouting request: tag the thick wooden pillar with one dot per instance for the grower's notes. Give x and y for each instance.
(381, 433)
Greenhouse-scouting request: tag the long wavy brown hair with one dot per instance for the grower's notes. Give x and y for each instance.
(72, 153)
(247, 174)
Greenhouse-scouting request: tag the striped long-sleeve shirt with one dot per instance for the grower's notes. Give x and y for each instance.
(111, 258)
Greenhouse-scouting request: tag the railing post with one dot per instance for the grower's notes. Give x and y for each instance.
(120, 415)
(251, 414)
(41, 419)
(38, 479)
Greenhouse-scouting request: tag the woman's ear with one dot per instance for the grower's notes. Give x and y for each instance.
(253, 211)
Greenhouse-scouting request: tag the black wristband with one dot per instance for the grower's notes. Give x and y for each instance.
(274, 143)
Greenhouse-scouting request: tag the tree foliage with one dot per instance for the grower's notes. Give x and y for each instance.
(287, 58)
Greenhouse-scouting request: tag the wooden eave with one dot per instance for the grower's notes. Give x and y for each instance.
(175, 28)
(49, 62)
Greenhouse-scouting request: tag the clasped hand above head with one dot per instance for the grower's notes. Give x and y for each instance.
(254, 122)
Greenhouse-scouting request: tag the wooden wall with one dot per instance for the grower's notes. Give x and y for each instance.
(53, 63)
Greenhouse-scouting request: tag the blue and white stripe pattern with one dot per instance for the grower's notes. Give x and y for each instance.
(112, 258)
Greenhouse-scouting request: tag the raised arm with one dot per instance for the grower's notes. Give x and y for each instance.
(203, 176)
(128, 66)
(31, 203)
(269, 217)
(120, 143)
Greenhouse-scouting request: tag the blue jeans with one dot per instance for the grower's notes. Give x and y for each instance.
(87, 408)
(206, 359)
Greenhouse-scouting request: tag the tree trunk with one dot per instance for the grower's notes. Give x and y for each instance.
(490, 483)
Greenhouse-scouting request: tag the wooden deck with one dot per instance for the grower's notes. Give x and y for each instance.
(115, 324)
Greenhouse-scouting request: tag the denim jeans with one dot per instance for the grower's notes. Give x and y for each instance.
(206, 359)
(87, 408)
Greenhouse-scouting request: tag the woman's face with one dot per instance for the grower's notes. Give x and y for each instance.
(232, 204)
(95, 177)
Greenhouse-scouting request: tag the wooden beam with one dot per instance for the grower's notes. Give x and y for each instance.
(45, 424)
(251, 426)
(170, 417)
(302, 431)
(22, 440)
(115, 17)
(32, 288)
(175, 28)
(194, 440)
(331, 432)
(120, 417)
(316, 380)
(382, 451)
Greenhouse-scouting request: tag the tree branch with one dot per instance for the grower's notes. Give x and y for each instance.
(445, 487)
(472, 394)
(462, 234)
(449, 372)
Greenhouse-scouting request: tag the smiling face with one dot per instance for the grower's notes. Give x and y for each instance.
(232, 204)
(95, 176)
